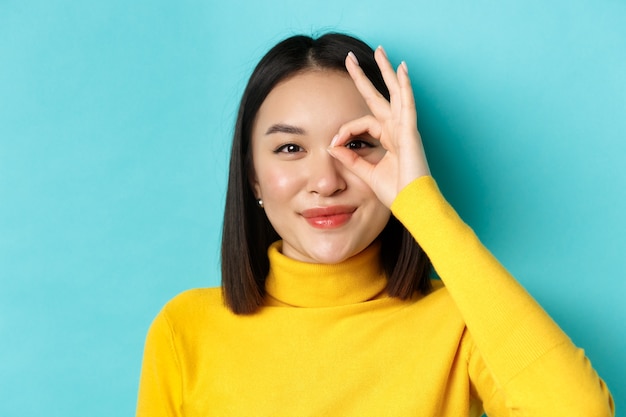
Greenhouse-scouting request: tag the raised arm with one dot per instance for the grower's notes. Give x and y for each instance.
(532, 367)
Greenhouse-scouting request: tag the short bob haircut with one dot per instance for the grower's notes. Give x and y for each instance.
(247, 233)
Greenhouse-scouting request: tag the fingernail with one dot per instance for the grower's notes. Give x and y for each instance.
(403, 65)
(334, 141)
(353, 57)
(382, 50)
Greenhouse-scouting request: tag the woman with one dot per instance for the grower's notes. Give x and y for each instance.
(326, 306)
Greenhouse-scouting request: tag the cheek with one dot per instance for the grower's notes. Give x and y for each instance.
(277, 183)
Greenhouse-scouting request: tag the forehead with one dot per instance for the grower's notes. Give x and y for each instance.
(312, 98)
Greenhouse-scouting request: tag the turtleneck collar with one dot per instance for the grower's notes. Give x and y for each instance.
(300, 284)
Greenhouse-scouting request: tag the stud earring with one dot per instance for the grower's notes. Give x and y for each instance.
(260, 202)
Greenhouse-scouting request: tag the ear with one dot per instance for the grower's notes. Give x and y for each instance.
(257, 191)
(254, 183)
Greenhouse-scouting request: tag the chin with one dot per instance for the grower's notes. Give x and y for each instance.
(334, 255)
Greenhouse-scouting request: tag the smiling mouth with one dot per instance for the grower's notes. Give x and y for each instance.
(328, 217)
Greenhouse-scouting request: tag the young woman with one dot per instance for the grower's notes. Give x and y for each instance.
(327, 307)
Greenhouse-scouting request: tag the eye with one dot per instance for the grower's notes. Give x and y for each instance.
(288, 148)
(358, 144)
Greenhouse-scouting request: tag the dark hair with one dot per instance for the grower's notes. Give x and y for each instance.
(247, 233)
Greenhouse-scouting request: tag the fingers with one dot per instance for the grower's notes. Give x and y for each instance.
(353, 162)
(393, 123)
(402, 101)
(374, 100)
(361, 167)
(399, 84)
(389, 76)
(406, 93)
(366, 124)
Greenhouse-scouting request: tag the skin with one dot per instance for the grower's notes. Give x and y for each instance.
(393, 123)
(327, 139)
(295, 174)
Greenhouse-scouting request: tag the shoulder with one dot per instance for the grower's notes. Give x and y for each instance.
(196, 298)
(436, 308)
(439, 308)
(194, 306)
(439, 295)
(186, 326)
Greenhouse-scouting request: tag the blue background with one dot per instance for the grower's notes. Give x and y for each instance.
(115, 125)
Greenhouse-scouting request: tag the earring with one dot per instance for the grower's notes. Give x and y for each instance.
(260, 202)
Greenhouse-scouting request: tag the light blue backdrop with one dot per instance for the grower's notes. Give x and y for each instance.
(115, 123)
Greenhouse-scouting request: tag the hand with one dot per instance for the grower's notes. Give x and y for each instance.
(393, 123)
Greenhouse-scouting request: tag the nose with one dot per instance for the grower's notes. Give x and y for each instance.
(325, 175)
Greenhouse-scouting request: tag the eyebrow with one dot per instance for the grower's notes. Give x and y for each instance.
(284, 128)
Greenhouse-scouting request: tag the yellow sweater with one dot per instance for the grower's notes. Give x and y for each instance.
(331, 343)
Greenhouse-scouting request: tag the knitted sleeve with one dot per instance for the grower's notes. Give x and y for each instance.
(530, 365)
(160, 387)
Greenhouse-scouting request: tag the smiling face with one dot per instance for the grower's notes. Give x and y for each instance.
(322, 212)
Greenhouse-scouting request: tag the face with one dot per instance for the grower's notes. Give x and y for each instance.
(322, 212)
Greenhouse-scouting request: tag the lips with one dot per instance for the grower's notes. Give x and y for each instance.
(328, 217)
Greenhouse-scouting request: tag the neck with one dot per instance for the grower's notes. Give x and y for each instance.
(300, 284)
